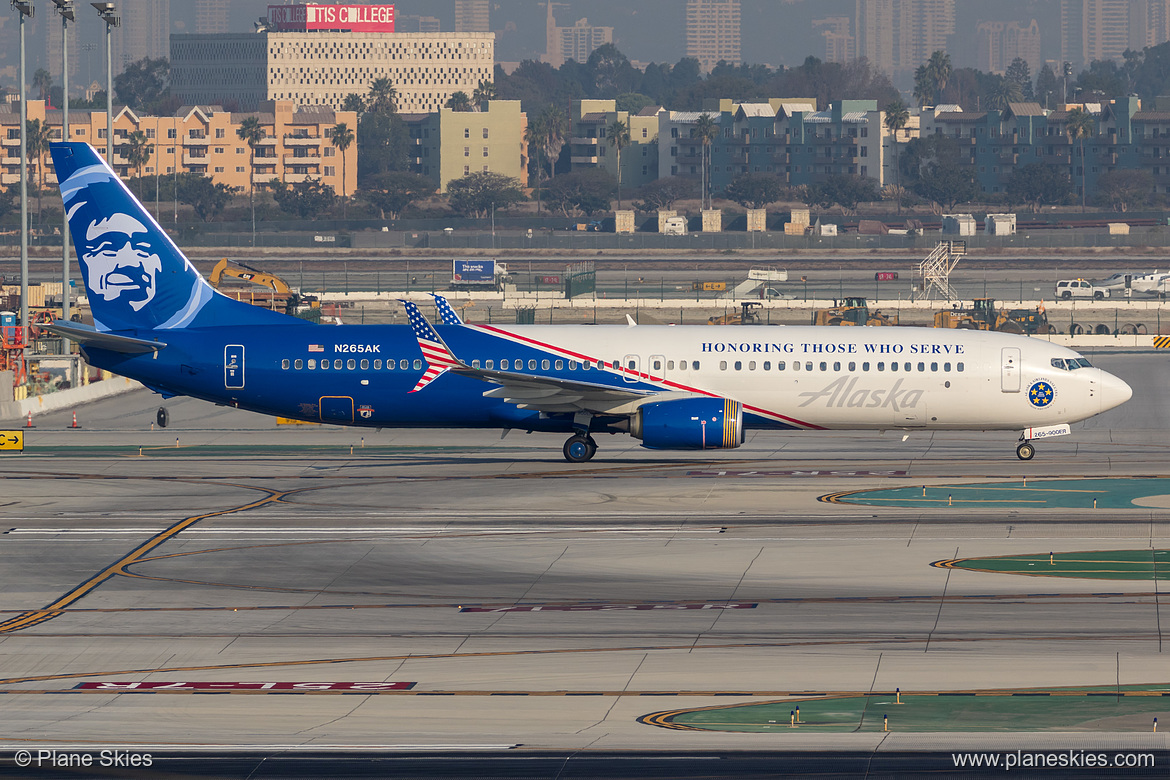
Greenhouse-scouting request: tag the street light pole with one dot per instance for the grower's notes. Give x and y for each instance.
(109, 15)
(24, 8)
(65, 8)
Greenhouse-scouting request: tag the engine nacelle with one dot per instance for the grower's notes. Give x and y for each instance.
(689, 424)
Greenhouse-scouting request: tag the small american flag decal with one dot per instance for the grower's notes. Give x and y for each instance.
(316, 348)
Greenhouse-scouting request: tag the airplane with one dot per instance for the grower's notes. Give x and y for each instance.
(156, 320)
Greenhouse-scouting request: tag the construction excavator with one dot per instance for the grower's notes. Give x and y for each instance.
(851, 311)
(984, 315)
(278, 295)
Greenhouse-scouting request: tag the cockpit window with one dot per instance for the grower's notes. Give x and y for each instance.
(1070, 364)
(1082, 363)
(1058, 363)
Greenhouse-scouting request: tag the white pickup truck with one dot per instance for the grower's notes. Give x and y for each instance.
(1079, 288)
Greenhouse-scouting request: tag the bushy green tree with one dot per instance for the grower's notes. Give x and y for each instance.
(476, 194)
(844, 191)
(755, 190)
(393, 191)
(206, 197)
(588, 191)
(308, 199)
(1037, 185)
(1125, 189)
(143, 83)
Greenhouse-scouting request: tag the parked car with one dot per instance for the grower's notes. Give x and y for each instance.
(1079, 288)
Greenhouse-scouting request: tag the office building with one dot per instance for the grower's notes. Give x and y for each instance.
(472, 16)
(144, 32)
(448, 145)
(312, 57)
(1104, 29)
(999, 43)
(212, 16)
(576, 42)
(840, 45)
(897, 36)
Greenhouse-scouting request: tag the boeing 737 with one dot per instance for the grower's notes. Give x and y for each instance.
(155, 319)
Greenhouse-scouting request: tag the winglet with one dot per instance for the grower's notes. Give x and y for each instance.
(446, 313)
(438, 356)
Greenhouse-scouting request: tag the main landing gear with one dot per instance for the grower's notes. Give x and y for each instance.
(579, 449)
(1025, 451)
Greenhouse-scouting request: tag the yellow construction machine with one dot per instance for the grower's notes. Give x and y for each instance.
(852, 311)
(984, 315)
(278, 295)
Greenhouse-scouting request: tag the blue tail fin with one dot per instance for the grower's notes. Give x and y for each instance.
(134, 274)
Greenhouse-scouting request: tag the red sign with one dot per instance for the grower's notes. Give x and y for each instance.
(605, 607)
(886, 276)
(550, 279)
(350, 18)
(371, 687)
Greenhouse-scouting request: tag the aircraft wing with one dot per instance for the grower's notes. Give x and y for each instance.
(551, 395)
(91, 337)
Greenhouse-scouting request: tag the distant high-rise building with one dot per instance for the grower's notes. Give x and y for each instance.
(145, 32)
(1104, 29)
(900, 35)
(211, 16)
(1002, 42)
(472, 16)
(416, 23)
(840, 45)
(572, 43)
(713, 32)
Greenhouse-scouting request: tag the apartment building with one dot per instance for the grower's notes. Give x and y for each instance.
(713, 32)
(201, 139)
(448, 145)
(787, 137)
(590, 146)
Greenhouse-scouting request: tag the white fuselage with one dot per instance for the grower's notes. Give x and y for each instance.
(840, 378)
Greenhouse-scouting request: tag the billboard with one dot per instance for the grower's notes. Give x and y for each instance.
(349, 18)
(474, 271)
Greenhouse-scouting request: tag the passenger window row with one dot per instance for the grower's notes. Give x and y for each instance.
(350, 365)
(810, 365)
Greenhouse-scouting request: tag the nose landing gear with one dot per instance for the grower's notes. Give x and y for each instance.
(579, 449)
(1025, 450)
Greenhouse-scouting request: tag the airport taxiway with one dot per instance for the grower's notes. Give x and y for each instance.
(458, 589)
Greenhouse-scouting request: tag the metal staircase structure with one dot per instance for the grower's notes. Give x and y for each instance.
(934, 273)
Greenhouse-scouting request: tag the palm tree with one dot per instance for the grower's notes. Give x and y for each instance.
(137, 151)
(342, 138)
(355, 103)
(459, 101)
(42, 82)
(923, 89)
(618, 133)
(1003, 92)
(251, 132)
(535, 135)
(1080, 124)
(484, 92)
(382, 96)
(706, 129)
(897, 116)
(556, 127)
(38, 136)
(939, 68)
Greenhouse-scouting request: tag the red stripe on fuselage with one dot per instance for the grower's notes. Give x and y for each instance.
(641, 375)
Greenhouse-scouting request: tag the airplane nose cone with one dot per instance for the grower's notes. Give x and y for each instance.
(1114, 391)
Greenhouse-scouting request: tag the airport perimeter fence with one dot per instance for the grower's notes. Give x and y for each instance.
(475, 239)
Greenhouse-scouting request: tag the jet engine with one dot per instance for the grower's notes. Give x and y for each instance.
(689, 424)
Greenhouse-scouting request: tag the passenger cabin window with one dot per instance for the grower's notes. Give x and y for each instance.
(377, 365)
(298, 364)
(284, 364)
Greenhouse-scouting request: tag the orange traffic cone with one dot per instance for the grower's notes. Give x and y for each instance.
(75, 425)
(29, 423)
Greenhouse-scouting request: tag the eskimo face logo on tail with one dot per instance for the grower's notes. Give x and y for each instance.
(120, 263)
(135, 276)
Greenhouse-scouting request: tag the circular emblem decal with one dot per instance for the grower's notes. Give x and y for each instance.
(1041, 394)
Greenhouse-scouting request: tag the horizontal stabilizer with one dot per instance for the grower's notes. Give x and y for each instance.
(91, 337)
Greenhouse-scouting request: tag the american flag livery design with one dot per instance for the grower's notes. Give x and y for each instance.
(446, 313)
(438, 357)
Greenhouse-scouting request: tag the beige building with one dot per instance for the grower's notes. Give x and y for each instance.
(713, 31)
(1002, 42)
(899, 35)
(1104, 29)
(448, 144)
(144, 31)
(575, 42)
(202, 139)
(840, 45)
(473, 16)
(321, 68)
(589, 146)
